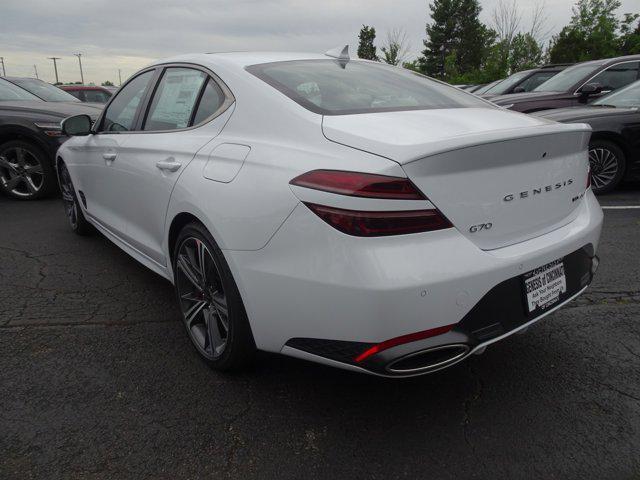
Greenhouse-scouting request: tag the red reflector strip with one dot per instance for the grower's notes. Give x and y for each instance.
(357, 184)
(411, 337)
(376, 224)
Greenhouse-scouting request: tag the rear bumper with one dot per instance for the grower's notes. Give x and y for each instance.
(318, 294)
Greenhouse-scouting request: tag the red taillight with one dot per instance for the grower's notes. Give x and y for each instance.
(394, 342)
(359, 184)
(377, 224)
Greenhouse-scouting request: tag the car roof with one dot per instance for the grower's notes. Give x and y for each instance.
(83, 87)
(241, 59)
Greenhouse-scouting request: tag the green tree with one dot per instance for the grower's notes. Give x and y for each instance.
(107, 84)
(525, 53)
(455, 27)
(591, 34)
(396, 48)
(366, 48)
(630, 38)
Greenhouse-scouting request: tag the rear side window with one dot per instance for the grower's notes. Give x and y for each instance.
(330, 88)
(212, 99)
(75, 93)
(121, 112)
(97, 96)
(175, 99)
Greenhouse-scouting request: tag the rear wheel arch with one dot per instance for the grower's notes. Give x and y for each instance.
(15, 132)
(614, 138)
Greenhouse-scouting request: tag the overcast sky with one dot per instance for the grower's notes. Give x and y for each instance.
(128, 34)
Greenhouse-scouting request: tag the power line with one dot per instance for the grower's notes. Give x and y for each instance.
(80, 62)
(55, 66)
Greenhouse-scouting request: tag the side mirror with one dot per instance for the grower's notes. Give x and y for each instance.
(591, 89)
(78, 125)
(518, 90)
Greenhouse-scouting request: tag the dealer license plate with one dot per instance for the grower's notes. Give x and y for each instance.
(544, 285)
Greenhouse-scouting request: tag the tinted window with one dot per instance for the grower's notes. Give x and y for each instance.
(97, 96)
(329, 88)
(44, 90)
(617, 76)
(628, 96)
(567, 78)
(536, 80)
(121, 112)
(212, 99)
(9, 92)
(75, 93)
(507, 83)
(175, 99)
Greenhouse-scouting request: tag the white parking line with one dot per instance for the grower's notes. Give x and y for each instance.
(621, 207)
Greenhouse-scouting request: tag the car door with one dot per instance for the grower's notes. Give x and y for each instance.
(96, 171)
(185, 112)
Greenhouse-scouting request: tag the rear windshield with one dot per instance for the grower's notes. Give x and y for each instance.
(330, 88)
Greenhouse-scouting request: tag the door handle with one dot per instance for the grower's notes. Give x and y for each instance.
(168, 165)
(110, 157)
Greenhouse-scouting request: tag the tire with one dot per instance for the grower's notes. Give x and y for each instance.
(224, 341)
(26, 172)
(76, 218)
(608, 165)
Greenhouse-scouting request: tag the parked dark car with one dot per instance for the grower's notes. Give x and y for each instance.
(614, 148)
(89, 93)
(525, 81)
(43, 90)
(30, 135)
(483, 88)
(576, 85)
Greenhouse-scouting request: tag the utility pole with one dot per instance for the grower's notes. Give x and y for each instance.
(80, 62)
(4, 74)
(120, 76)
(35, 69)
(55, 66)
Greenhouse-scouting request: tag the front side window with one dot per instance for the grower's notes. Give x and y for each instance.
(175, 99)
(10, 92)
(617, 76)
(330, 88)
(121, 113)
(536, 80)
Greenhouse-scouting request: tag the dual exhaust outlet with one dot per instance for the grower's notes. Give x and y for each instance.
(427, 360)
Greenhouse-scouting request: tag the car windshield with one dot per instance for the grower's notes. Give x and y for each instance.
(568, 77)
(9, 91)
(487, 87)
(44, 90)
(628, 96)
(505, 85)
(330, 88)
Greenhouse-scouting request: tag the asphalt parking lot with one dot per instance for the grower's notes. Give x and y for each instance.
(98, 380)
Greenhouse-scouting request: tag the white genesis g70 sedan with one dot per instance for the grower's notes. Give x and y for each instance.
(333, 209)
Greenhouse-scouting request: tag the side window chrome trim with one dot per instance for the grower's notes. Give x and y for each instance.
(229, 98)
(577, 92)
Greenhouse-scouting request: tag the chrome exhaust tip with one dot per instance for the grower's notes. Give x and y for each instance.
(429, 359)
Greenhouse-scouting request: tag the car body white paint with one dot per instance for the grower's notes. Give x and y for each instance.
(298, 276)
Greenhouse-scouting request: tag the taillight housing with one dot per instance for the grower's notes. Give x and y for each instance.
(379, 224)
(588, 177)
(364, 223)
(357, 184)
